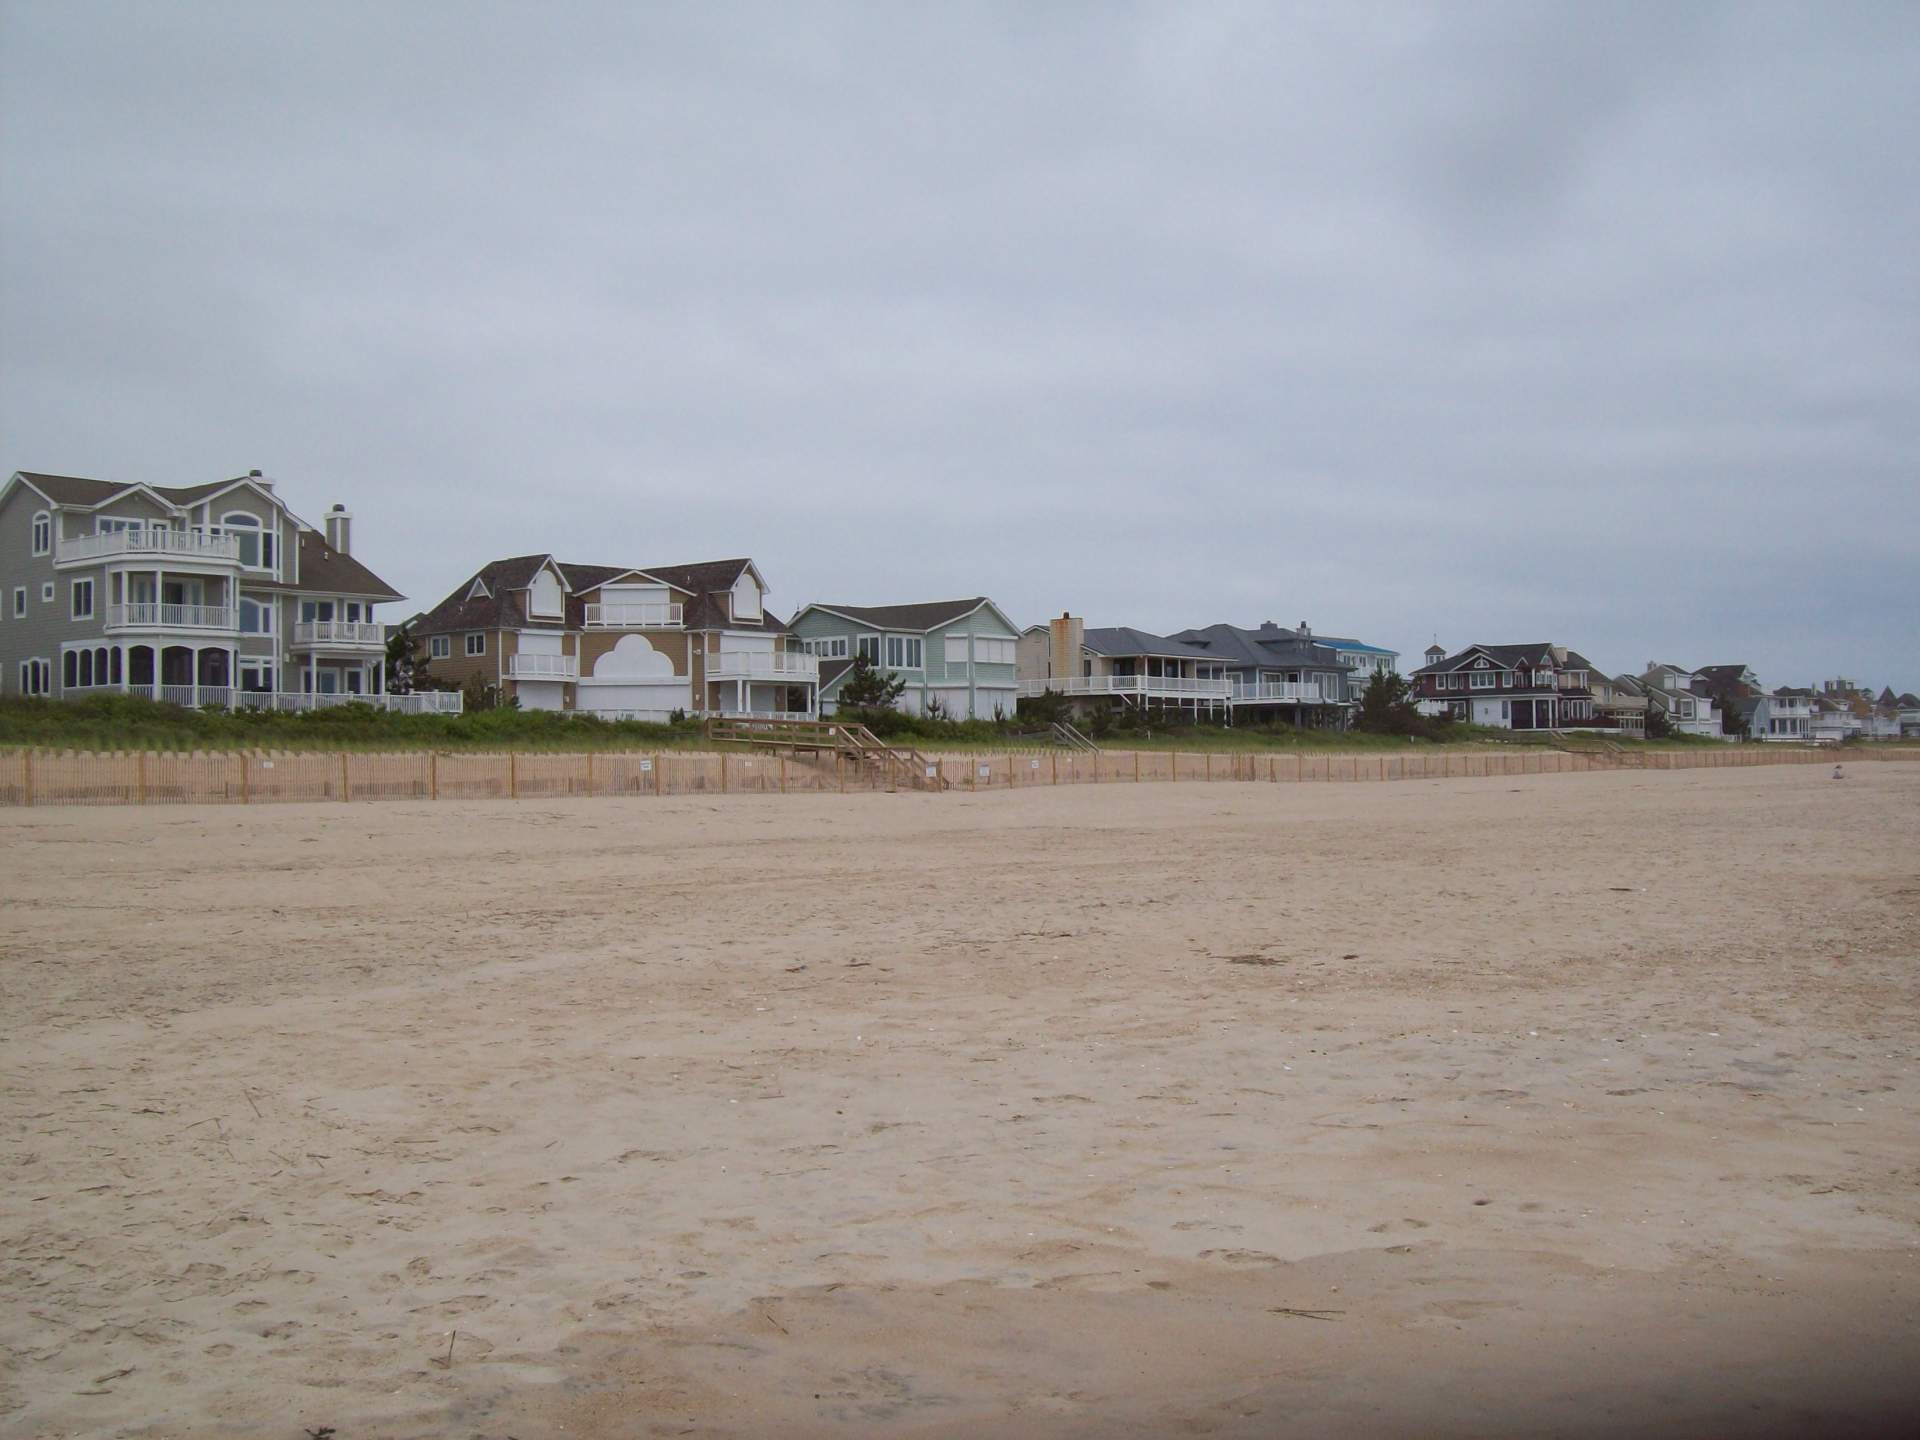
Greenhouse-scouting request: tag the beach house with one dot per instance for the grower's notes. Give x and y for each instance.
(621, 642)
(200, 595)
(956, 658)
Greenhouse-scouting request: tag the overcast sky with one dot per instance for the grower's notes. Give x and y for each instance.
(1596, 323)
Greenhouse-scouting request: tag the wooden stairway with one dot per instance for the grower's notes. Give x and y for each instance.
(895, 766)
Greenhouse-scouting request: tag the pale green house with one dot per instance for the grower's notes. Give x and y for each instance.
(957, 655)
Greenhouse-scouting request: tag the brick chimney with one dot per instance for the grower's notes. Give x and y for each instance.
(1066, 636)
(340, 530)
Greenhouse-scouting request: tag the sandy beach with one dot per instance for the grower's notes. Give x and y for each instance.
(1578, 1104)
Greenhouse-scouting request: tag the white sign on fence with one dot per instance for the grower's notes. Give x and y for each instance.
(933, 772)
(986, 771)
(646, 766)
(1033, 764)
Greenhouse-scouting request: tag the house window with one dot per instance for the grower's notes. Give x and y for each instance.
(36, 677)
(82, 608)
(1506, 710)
(832, 647)
(46, 593)
(256, 677)
(956, 650)
(477, 643)
(988, 651)
(868, 648)
(903, 652)
(1483, 680)
(439, 647)
(42, 533)
(19, 602)
(256, 617)
(256, 552)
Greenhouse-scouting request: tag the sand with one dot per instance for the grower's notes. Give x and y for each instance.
(1567, 1104)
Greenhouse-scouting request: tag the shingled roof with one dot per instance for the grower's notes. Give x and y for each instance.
(1125, 640)
(322, 568)
(705, 585)
(925, 615)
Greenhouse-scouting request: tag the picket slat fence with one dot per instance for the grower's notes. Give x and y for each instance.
(65, 777)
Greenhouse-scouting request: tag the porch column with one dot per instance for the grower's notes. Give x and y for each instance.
(233, 677)
(159, 591)
(313, 673)
(193, 653)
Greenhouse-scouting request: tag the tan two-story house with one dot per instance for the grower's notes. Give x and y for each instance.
(620, 642)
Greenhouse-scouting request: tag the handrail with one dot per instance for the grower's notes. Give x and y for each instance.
(1068, 735)
(897, 762)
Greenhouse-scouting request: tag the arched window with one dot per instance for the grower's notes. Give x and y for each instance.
(42, 532)
(247, 529)
(70, 669)
(86, 666)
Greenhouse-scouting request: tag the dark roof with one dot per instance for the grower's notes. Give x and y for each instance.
(1907, 701)
(1721, 672)
(325, 569)
(1125, 640)
(72, 489)
(78, 490)
(831, 671)
(1511, 657)
(704, 584)
(1576, 661)
(491, 611)
(700, 577)
(1244, 649)
(923, 616)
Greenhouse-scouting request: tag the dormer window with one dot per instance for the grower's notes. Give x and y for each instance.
(478, 590)
(545, 597)
(746, 597)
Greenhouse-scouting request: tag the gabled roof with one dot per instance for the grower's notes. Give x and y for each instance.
(325, 569)
(926, 615)
(498, 608)
(79, 491)
(704, 584)
(1119, 640)
(832, 672)
(1507, 657)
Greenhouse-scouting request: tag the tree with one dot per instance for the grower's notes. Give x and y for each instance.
(406, 667)
(1387, 708)
(866, 688)
(1658, 726)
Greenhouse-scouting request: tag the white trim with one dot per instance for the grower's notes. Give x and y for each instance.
(986, 603)
(33, 533)
(46, 592)
(434, 644)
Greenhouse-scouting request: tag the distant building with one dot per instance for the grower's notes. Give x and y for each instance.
(954, 656)
(1538, 686)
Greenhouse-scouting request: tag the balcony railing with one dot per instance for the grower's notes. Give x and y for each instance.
(355, 633)
(759, 665)
(427, 702)
(543, 667)
(180, 544)
(1283, 692)
(633, 617)
(1137, 685)
(145, 615)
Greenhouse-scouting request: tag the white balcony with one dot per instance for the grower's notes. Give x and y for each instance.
(543, 667)
(1278, 692)
(145, 615)
(795, 669)
(633, 617)
(154, 543)
(340, 634)
(1151, 687)
(427, 702)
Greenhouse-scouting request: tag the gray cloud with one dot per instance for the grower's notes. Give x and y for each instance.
(1490, 322)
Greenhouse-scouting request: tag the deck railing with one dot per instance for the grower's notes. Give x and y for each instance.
(147, 615)
(181, 544)
(1154, 686)
(339, 632)
(760, 665)
(1284, 692)
(543, 667)
(221, 697)
(632, 617)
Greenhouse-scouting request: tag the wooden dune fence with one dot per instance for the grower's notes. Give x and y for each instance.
(48, 777)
